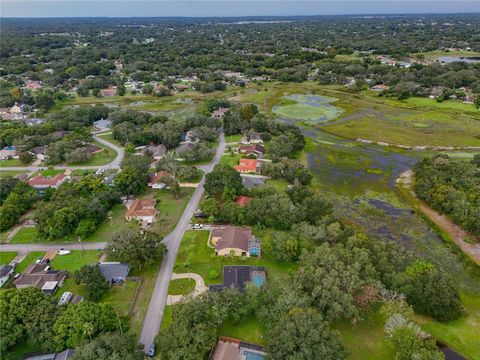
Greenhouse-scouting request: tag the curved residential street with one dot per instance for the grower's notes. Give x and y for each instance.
(154, 315)
(115, 164)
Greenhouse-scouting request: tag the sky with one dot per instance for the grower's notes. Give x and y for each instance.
(226, 8)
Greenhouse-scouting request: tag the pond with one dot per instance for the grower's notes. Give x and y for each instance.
(307, 108)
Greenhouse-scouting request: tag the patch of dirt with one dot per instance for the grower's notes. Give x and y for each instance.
(456, 233)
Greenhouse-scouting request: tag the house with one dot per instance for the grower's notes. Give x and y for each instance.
(191, 137)
(252, 181)
(155, 181)
(142, 210)
(9, 152)
(93, 149)
(380, 87)
(41, 183)
(102, 124)
(254, 149)
(242, 200)
(180, 87)
(248, 166)
(235, 240)
(108, 92)
(220, 113)
(110, 180)
(34, 121)
(40, 152)
(114, 272)
(252, 138)
(42, 277)
(63, 355)
(15, 109)
(158, 151)
(5, 272)
(237, 277)
(60, 134)
(235, 349)
(33, 85)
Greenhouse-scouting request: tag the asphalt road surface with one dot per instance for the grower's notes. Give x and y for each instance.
(115, 164)
(26, 248)
(153, 318)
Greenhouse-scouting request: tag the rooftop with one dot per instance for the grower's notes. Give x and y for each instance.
(142, 207)
(232, 237)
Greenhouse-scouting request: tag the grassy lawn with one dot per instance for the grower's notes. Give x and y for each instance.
(21, 350)
(121, 296)
(99, 158)
(181, 286)
(231, 160)
(249, 330)
(8, 173)
(110, 139)
(169, 209)
(11, 162)
(75, 260)
(48, 172)
(6, 257)
(278, 184)
(194, 255)
(431, 55)
(105, 230)
(82, 172)
(364, 340)
(29, 259)
(26, 235)
(462, 334)
(233, 138)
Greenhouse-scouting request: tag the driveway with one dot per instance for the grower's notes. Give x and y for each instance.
(200, 287)
(154, 315)
(115, 164)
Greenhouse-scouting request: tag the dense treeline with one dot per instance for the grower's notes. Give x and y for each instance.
(452, 187)
(16, 197)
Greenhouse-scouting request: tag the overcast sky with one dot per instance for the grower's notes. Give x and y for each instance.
(125, 8)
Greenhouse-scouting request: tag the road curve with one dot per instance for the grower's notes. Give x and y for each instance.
(115, 164)
(154, 315)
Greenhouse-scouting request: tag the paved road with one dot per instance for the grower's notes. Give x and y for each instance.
(25, 248)
(153, 318)
(115, 164)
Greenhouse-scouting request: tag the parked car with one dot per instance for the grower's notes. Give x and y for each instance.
(151, 350)
(197, 226)
(63, 252)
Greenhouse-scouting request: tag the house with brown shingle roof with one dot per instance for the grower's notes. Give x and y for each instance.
(234, 240)
(142, 210)
(254, 149)
(42, 277)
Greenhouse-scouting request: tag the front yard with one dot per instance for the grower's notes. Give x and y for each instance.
(6, 257)
(195, 256)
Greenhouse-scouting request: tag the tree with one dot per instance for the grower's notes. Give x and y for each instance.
(26, 313)
(432, 292)
(130, 182)
(26, 157)
(121, 90)
(91, 276)
(301, 334)
(223, 177)
(136, 248)
(84, 321)
(83, 91)
(44, 101)
(110, 346)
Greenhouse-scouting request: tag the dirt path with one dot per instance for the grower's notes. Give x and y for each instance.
(456, 233)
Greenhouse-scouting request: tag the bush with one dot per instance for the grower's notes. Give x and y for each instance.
(213, 274)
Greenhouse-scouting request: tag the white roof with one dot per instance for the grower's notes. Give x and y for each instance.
(50, 285)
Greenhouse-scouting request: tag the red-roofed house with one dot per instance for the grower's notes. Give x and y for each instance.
(33, 85)
(142, 210)
(155, 181)
(110, 91)
(41, 182)
(248, 166)
(242, 200)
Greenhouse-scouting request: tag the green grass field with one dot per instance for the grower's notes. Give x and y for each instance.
(99, 158)
(11, 162)
(249, 330)
(26, 235)
(307, 108)
(109, 137)
(181, 286)
(233, 138)
(8, 173)
(105, 230)
(431, 55)
(6, 257)
(29, 259)
(169, 209)
(231, 159)
(75, 260)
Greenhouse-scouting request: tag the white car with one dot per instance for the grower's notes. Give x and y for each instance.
(63, 252)
(197, 226)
